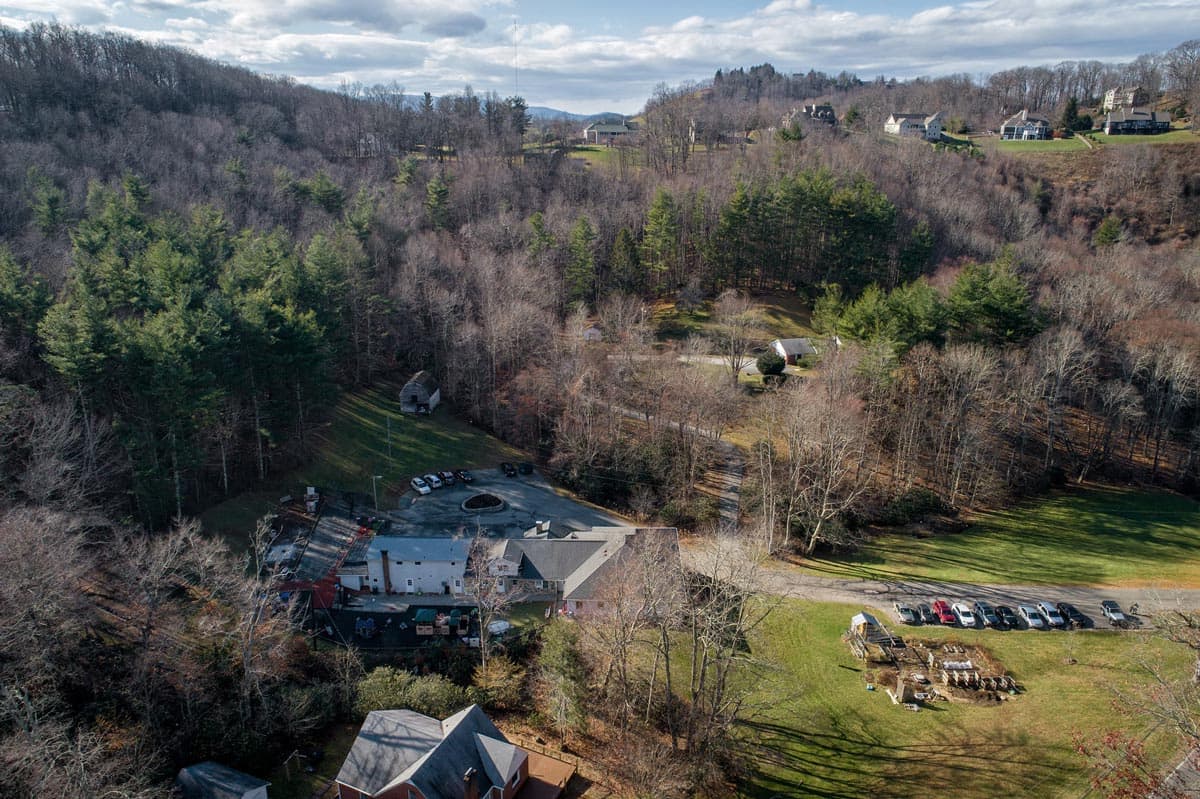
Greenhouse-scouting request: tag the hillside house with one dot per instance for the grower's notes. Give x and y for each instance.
(209, 780)
(402, 754)
(607, 132)
(928, 127)
(820, 113)
(793, 349)
(421, 394)
(407, 565)
(1136, 121)
(1025, 127)
(1124, 97)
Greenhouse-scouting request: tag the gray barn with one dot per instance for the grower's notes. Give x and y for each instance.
(421, 394)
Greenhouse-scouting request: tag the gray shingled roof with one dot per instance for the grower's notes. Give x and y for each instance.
(389, 743)
(552, 558)
(425, 379)
(210, 780)
(796, 346)
(501, 760)
(411, 548)
(439, 774)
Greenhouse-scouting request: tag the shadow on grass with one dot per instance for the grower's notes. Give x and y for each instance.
(845, 765)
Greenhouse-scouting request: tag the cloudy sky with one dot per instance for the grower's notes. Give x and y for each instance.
(608, 55)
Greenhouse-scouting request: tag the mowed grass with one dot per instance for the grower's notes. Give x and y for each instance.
(353, 445)
(1048, 146)
(1170, 137)
(1093, 535)
(780, 316)
(819, 732)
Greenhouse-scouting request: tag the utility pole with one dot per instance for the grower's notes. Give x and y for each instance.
(374, 492)
(389, 425)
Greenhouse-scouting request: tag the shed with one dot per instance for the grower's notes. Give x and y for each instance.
(421, 394)
(425, 619)
(209, 780)
(865, 624)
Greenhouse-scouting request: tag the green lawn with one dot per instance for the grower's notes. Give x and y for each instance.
(821, 733)
(1049, 146)
(1084, 536)
(1170, 137)
(353, 445)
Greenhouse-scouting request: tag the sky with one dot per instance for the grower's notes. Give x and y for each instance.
(608, 55)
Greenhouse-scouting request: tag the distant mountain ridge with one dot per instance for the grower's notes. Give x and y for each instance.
(539, 112)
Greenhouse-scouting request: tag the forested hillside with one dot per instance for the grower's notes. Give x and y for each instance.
(195, 261)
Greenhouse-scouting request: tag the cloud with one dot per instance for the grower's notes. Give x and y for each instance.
(455, 25)
(440, 45)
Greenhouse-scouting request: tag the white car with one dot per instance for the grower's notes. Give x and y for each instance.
(965, 617)
(1031, 616)
(419, 485)
(1051, 615)
(433, 480)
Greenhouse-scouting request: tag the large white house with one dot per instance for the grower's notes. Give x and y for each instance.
(407, 565)
(926, 126)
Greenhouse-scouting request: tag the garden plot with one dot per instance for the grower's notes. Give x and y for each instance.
(924, 672)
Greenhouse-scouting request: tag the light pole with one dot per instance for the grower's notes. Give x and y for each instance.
(374, 493)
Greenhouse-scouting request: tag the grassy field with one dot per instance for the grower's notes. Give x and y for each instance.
(823, 734)
(781, 316)
(353, 445)
(1170, 137)
(1049, 146)
(1085, 536)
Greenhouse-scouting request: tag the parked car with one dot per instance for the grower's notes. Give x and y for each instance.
(433, 480)
(986, 614)
(945, 615)
(1007, 617)
(1050, 613)
(508, 469)
(525, 467)
(906, 614)
(1073, 616)
(1112, 612)
(927, 614)
(464, 475)
(447, 477)
(419, 485)
(965, 617)
(1029, 614)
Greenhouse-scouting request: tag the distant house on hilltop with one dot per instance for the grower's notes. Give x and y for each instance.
(928, 127)
(1122, 97)
(421, 394)
(1126, 121)
(1025, 127)
(820, 113)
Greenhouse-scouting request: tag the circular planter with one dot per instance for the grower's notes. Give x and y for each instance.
(483, 503)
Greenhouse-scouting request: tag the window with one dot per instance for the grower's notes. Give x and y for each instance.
(516, 778)
(399, 563)
(416, 563)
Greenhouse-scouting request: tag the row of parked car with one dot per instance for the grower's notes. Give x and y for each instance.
(1036, 616)
(427, 483)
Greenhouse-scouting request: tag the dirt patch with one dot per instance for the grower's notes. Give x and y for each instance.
(925, 672)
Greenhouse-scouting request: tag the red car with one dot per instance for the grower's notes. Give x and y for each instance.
(945, 615)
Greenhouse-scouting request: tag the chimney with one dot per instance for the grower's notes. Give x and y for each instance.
(387, 575)
(470, 788)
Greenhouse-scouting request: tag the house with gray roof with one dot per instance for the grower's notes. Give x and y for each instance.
(1129, 121)
(402, 754)
(578, 567)
(209, 780)
(925, 126)
(1025, 127)
(608, 132)
(793, 349)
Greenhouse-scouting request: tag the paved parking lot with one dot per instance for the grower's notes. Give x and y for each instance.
(529, 499)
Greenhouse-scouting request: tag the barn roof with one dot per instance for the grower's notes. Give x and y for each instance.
(425, 379)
